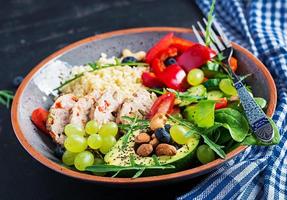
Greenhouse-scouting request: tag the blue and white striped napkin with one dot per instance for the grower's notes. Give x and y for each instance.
(259, 172)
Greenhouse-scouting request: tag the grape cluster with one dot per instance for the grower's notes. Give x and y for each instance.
(80, 141)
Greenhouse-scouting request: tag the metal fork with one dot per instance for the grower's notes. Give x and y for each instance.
(257, 119)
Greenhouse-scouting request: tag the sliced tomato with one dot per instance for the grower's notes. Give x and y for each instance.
(221, 103)
(164, 104)
(150, 80)
(173, 77)
(194, 57)
(161, 45)
(39, 117)
(233, 63)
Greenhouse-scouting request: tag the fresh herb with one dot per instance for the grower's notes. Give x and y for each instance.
(97, 66)
(215, 147)
(6, 97)
(208, 39)
(114, 168)
(136, 124)
(157, 91)
(155, 160)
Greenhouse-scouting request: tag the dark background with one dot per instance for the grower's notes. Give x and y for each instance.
(30, 30)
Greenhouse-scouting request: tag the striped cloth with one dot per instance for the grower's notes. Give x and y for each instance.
(259, 172)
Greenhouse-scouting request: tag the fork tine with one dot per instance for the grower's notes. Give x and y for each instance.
(221, 33)
(197, 35)
(215, 38)
(203, 31)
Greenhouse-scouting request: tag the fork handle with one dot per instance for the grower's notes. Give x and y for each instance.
(258, 120)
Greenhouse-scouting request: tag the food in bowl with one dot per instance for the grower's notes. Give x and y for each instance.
(152, 113)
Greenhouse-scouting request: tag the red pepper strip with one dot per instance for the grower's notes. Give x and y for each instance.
(173, 77)
(194, 57)
(161, 45)
(39, 117)
(233, 63)
(181, 44)
(163, 104)
(150, 80)
(157, 64)
(221, 103)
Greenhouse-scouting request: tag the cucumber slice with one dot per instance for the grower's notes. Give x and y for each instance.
(214, 95)
(198, 90)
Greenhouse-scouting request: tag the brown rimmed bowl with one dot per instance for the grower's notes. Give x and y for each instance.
(37, 87)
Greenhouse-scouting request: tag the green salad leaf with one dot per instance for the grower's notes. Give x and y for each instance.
(234, 121)
(204, 114)
(6, 96)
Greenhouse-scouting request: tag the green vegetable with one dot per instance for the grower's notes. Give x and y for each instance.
(212, 83)
(215, 147)
(189, 112)
(6, 96)
(213, 74)
(214, 95)
(234, 121)
(198, 90)
(208, 39)
(204, 114)
(252, 140)
(261, 102)
(226, 86)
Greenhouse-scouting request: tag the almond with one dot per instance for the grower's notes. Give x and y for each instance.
(142, 138)
(165, 150)
(144, 150)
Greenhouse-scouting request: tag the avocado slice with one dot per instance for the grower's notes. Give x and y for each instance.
(120, 155)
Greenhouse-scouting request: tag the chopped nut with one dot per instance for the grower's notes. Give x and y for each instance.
(144, 150)
(165, 150)
(142, 138)
(158, 121)
(152, 136)
(140, 55)
(154, 142)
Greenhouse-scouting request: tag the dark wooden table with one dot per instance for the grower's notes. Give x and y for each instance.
(30, 30)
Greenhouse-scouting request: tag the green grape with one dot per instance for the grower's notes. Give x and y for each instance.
(110, 128)
(75, 143)
(195, 77)
(178, 132)
(95, 141)
(226, 86)
(92, 127)
(99, 161)
(68, 158)
(83, 160)
(108, 142)
(71, 129)
(205, 154)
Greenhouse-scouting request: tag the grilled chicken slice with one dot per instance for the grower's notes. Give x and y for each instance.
(81, 109)
(106, 105)
(59, 116)
(138, 105)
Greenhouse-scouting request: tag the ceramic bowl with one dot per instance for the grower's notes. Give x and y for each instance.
(36, 89)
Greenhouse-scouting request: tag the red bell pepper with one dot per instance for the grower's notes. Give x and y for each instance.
(221, 103)
(233, 63)
(173, 77)
(163, 104)
(150, 80)
(161, 45)
(181, 44)
(195, 57)
(157, 64)
(39, 117)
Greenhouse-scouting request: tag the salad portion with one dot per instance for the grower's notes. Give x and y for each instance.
(152, 113)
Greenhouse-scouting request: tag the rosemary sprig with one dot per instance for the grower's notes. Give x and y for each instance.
(6, 96)
(97, 66)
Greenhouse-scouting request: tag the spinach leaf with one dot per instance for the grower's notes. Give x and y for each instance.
(252, 140)
(204, 114)
(234, 121)
(212, 83)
